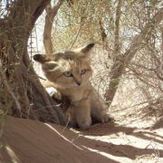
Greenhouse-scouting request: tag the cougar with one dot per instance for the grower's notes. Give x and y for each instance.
(70, 72)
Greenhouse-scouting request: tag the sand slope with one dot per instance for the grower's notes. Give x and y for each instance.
(27, 141)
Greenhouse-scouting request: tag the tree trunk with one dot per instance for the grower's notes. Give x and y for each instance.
(29, 99)
(121, 61)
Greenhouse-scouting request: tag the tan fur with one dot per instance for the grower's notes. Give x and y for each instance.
(69, 72)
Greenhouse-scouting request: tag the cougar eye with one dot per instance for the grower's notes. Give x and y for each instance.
(83, 71)
(67, 74)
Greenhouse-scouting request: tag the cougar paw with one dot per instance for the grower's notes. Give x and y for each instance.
(54, 93)
(106, 118)
(85, 124)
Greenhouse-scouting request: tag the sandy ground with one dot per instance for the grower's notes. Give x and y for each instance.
(27, 141)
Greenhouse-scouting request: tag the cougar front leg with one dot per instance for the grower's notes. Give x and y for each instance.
(70, 116)
(83, 114)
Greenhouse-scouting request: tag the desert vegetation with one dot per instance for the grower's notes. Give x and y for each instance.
(127, 59)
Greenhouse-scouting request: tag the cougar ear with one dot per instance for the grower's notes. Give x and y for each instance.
(41, 58)
(87, 48)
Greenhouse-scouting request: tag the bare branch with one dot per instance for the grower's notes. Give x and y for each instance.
(50, 15)
(117, 28)
(122, 61)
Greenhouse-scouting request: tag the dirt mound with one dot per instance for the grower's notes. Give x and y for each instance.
(27, 141)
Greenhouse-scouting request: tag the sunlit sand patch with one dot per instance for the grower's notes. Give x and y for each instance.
(115, 158)
(12, 154)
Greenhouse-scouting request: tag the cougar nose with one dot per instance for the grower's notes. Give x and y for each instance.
(78, 83)
(77, 80)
